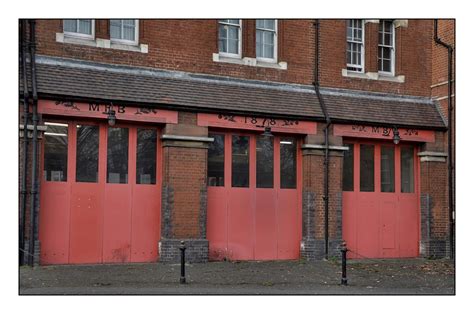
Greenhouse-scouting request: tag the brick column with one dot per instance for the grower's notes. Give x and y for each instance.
(313, 241)
(184, 191)
(434, 241)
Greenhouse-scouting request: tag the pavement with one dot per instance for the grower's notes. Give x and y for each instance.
(394, 276)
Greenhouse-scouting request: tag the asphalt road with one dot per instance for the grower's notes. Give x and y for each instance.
(407, 276)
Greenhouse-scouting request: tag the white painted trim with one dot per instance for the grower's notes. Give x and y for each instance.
(275, 46)
(433, 159)
(432, 154)
(400, 23)
(318, 146)
(441, 84)
(443, 97)
(186, 138)
(371, 21)
(100, 43)
(217, 57)
(374, 76)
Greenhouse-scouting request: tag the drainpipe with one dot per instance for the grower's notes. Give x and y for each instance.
(326, 142)
(23, 190)
(450, 157)
(34, 188)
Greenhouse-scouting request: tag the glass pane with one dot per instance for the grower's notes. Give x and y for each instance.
(264, 162)
(146, 156)
(233, 32)
(388, 39)
(288, 163)
(259, 45)
(87, 153)
(259, 37)
(129, 23)
(260, 24)
(70, 26)
(348, 30)
(215, 161)
(387, 65)
(268, 51)
(233, 46)
(348, 169)
(222, 45)
(129, 33)
(85, 27)
(387, 169)
(270, 24)
(117, 155)
(366, 168)
(407, 168)
(55, 152)
(115, 31)
(234, 21)
(240, 161)
(268, 38)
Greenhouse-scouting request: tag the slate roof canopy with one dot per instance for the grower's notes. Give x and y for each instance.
(58, 77)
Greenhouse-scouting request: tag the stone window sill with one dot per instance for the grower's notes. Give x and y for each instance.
(250, 62)
(100, 43)
(374, 76)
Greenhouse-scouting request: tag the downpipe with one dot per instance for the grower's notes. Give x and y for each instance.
(326, 141)
(23, 190)
(450, 157)
(34, 187)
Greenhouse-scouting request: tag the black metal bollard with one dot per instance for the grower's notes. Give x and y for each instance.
(182, 248)
(344, 260)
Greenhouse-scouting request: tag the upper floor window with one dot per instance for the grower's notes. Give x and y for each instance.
(230, 34)
(124, 31)
(267, 40)
(79, 28)
(386, 55)
(355, 45)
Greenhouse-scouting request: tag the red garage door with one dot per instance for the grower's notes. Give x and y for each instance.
(100, 193)
(380, 200)
(254, 205)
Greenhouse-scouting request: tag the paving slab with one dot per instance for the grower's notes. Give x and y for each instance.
(394, 276)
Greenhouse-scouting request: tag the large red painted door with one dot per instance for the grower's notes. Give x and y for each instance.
(253, 214)
(100, 197)
(380, 200)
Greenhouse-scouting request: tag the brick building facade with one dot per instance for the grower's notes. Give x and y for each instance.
(213, 132)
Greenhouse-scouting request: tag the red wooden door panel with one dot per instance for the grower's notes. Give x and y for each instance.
(265, 224)
(86, 210)
(217, 222)
(381, 224)
(54, 220)
(96, 221)
(241, 224)
(288, 224)
(250, 223)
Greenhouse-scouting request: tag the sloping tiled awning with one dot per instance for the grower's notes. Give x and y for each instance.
(180, 90)
(364, 107)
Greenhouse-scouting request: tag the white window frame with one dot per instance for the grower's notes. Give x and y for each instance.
(227, 54)
(275, 43)
(126, 41)
(362, 50)
(392, 49)
(81, 35)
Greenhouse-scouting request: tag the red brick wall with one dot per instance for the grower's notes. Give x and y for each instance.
(413, 58)
(188, 45)
(185, 170)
